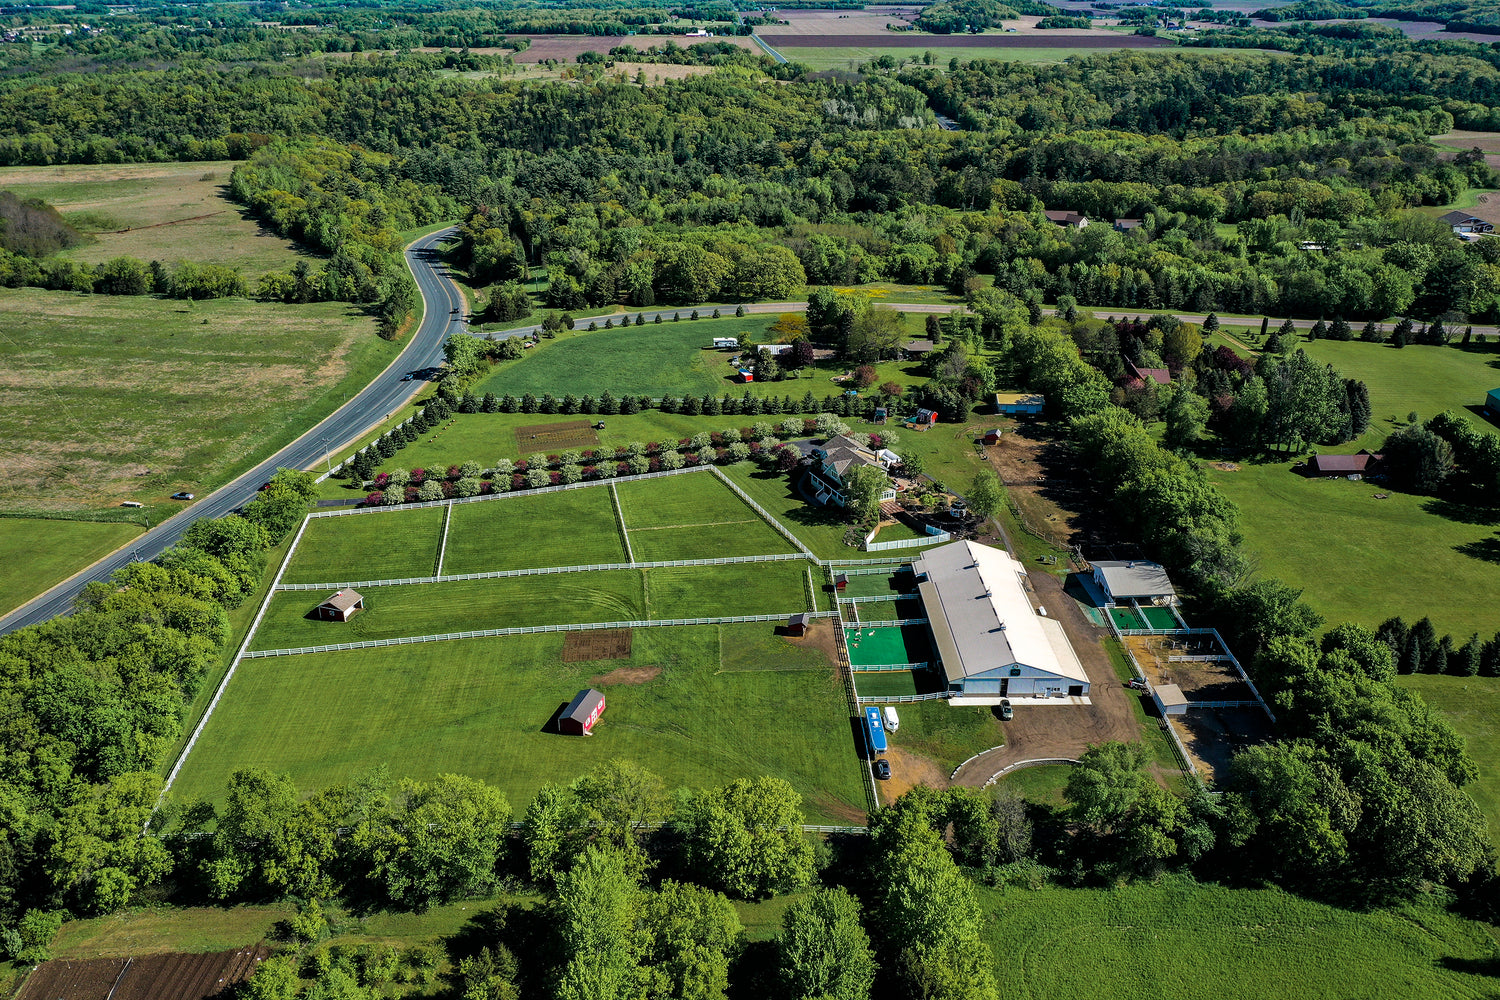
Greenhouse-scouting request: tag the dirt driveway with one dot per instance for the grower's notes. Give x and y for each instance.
(1063, 730)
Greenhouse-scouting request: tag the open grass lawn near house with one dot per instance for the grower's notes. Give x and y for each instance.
(37, 553)
(674, 358)
(1177, 940)
(168, 211)
(385, 546)
(1360, 559)
(571, 528)
(1472, 704)
(693, 517)
(947, 734)
(481, 707)
(1042, 784)
(108, 398)
(463, 606)
(821, 529)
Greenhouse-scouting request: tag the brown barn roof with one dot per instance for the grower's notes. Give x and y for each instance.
(343, 600)
(1341, 463)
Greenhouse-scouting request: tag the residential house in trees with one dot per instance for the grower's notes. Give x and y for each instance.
(835, 458)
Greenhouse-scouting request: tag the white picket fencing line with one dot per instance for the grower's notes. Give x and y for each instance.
(513, 494)
(856, 569)
(443, 545)
(902, 699)
(228, 675)
(490, 633)
(878, 598)
(549, 571)
(764, 513)
(904, 621)
(907, 543)
(972, 759)
(1018, 765)
(888, 668)
(614, 495)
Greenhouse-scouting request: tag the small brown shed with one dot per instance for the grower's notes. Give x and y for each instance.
(841, 581)
(341, 606)
(797, 624)
(582, 712)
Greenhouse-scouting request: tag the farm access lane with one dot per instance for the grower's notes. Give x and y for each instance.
(368, 407)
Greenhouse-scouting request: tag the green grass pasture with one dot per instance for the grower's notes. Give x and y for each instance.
(389, 545)
(466, 605)
(726, 591)
(1043, 785)
(574, 527)
(37, 553)
(693, 517)
(1472, 704)
(948, 734)
(480, 707)
(145, 397)
(1178, 940)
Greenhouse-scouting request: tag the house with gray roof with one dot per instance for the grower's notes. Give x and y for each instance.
(835, 458)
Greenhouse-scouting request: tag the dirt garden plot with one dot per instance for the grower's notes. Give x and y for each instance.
(912, 40)
(173, 976)
(569, 434)
(605, 644)
(1213, 736)
(1042, 476)
(1200, 680)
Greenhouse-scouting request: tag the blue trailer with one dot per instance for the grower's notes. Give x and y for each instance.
(874, 731)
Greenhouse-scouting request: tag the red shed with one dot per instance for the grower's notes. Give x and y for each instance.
(841, 581)
(992, 436)
(582, 712)
(797, 624)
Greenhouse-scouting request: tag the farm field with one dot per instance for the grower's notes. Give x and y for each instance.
(1178, 940)
(145, 396)
(836, 56)
(37, 553)
(385, 546)
(693, 517)
(659, 358)
(1472, 704)
(575, 527)
(169, 211)
(1353, 559)
(479, 707)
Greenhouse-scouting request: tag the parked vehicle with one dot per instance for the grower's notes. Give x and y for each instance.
(131, 503)
(883, 769)
(182, 496)
(874, 731)
(892, 720)
(1006, 712)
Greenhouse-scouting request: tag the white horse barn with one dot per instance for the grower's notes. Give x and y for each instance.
(990, 640)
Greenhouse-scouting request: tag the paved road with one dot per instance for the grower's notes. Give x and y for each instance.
(371, 405)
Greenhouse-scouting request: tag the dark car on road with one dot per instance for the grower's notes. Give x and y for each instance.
(883, 769)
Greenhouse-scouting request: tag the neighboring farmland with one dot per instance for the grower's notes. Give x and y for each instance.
(159, 211)
(152, 977)
(146, 396)
(36, 553)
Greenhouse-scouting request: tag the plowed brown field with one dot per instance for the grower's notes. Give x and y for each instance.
(173, 976)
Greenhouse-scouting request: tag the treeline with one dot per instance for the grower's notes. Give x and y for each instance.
(95, 702)
(1416, 649)
(122, 276)
(949, 16)
(348, 203)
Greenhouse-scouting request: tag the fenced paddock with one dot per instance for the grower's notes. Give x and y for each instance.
(403, 543)
(709, 713)
(576, 527)
(693, 518)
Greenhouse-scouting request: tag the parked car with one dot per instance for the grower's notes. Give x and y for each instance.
(182, 496)
(131, 503)
(883, 769)
(1006, 712)
(892, 720)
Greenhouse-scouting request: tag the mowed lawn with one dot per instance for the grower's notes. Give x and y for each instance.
(554, 599)
(463, 606)
(1472, 704)
(571, 528)
(1362, 559)
(37, 553)
(386, 545)
(693, 517)
(169, 211)
(481, 707)
(108, 398)
(1178, 940)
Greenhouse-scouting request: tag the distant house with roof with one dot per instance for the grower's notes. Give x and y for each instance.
(1125, 225)
(1342, 465)
(1139, 580)
(1017, 403)
(836, 458)
(1160, 376)
(1463, 223)
(1069, 220)
(991, 643)
(916, 350)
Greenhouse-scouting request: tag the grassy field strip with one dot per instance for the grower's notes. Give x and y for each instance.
(549, 571)
(229, 674)
(443, 546)
(614, 495)
(36, 554)
(785, 531)
(405, 544)
(495, 633)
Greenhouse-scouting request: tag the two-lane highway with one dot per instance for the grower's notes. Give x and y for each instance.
(444, 309)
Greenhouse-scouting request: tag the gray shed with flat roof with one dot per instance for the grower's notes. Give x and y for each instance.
(1134, 580)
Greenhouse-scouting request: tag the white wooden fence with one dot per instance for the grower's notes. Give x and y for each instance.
(907, 543)
(902, 699)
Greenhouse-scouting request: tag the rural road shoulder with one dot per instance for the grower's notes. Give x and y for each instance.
(368, 407)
